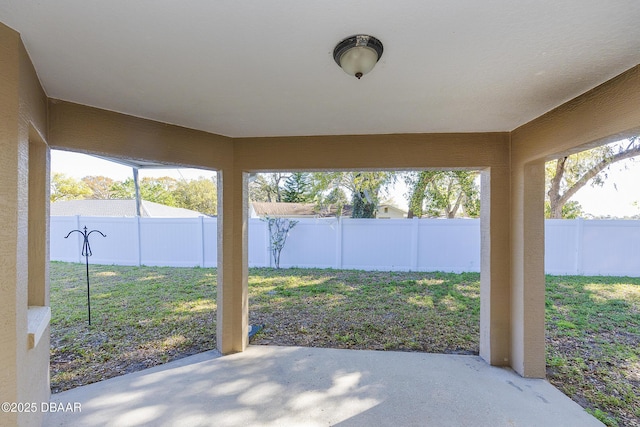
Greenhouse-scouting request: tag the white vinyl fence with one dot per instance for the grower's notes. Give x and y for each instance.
(581, 247)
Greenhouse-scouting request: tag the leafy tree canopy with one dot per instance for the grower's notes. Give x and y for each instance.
(100, 186)
(324, 188)
(199, 195)
(566, 175)
(158, 190)
(443, 193)
(267, 187)
(366, 188)
(64, 187)
(297, 188)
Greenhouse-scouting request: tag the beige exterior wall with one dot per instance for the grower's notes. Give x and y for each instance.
(94, 131)
(607, 113)
(512, 279)
(390, 212)
(360, 152)
(495, 327)
(233, 261)
(24, 155)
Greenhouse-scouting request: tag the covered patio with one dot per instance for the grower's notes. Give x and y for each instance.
(240, 88)
(297, 386)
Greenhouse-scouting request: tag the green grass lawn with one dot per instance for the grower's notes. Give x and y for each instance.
(144, 316)
(140, 317)
(593, 344)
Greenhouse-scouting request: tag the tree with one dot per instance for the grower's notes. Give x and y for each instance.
(64, 187)
(366, 188)
(123, 189)
(336, 197)
(266, 187)
(297, 188)
(327, 189)
(443, 193)
(366, 192)
(569, 174)
(570, 210)
(199, 195)
(100, 186)
(417, 183)
(279, 229)
(158, 190)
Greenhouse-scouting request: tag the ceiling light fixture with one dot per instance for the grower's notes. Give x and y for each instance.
(357, 55)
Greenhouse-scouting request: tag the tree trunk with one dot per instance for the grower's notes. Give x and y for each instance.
(456, 206)
(417, 194)
(554, 191)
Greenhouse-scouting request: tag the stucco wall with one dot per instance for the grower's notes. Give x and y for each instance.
(24, 374)
(11, 278)
(358, 152)
(95, 131)
(607, 113)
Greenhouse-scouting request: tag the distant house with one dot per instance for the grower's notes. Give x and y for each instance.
(389, 211)
(119, 208)
(310, 210)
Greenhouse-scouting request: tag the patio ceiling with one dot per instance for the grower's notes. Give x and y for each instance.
(265, 68)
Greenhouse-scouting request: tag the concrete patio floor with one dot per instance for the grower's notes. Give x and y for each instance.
(296, 386)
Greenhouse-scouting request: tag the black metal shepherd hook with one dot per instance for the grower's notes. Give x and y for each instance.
(86, 251)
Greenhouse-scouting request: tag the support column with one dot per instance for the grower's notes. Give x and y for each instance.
(494, 271)
(24, 284)
(13, 243)
(232, 299)
(527, 270)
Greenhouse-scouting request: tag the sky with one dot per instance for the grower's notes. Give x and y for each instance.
(615, 198)
(78, 166)
(617, 195)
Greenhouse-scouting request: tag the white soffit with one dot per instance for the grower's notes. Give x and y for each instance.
(265, 68)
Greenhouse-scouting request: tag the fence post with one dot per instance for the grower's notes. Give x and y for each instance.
(268, 239)
(201, 241)
(338, 232)
(138, 240)
(414, 244)
(579, 246)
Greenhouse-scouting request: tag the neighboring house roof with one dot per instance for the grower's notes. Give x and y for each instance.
(119, 208)
(296, 210)
(289, 210)
(302, 210)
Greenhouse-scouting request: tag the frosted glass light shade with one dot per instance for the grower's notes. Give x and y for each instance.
(358, 61)
(357, 55)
